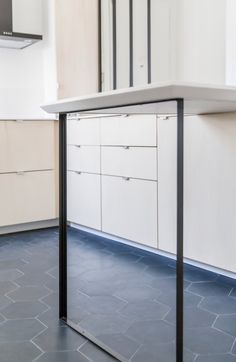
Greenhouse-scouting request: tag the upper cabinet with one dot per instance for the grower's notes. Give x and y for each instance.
(77, 47)
(20, 23)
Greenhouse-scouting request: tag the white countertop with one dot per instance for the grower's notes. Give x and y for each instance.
(199, 99)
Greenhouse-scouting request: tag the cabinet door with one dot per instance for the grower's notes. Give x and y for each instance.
(27, 197)
(84, 131)
(26, 146)
(136, 162)
(83, 199)
(133, 130)
(129, 209)
(83, 158)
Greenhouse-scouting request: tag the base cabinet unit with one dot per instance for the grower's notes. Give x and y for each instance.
(84, 199)
(28, 173)
(83, 158)
(27, 197)
(129, 209)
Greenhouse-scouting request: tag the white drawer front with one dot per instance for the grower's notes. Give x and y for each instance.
(83, 158)
(137, 162)
(83, 131)
(26, 146)
(84, 199)
(27, 197)
(133, 130)
(129, 209)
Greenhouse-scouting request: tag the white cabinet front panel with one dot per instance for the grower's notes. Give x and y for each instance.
(26, 146)
(27, 197)
(85, 131)
(129, 209)
(136, 162)
(83, 158)
(84, 199)
(133, 130)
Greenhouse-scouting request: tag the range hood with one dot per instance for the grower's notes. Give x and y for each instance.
(20, 23)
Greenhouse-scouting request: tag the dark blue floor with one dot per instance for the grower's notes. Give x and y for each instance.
(123, 296)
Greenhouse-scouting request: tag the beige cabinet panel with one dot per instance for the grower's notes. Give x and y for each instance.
(26, 146)
(84, 199)
(83, 158)
(133, 130)
(27, 197)
(83, 131)
(137, 162)
(129, 209)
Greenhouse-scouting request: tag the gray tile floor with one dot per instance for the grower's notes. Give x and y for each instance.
(125, 297)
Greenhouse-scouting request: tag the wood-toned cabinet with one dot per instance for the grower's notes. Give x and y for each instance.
(28, 171)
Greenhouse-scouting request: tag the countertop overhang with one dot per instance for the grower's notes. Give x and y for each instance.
(156, 98)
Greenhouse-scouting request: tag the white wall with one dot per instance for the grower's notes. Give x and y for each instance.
(28, 76)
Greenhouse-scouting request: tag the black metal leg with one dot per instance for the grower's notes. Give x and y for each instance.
(62, 219)
(180, 222)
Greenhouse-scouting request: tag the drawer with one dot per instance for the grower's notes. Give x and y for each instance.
(84, 199)
(84, 131)
(136, 162)
(129, 209)
(83, 158)
(27, 146)
(27, 197)
(133, 130)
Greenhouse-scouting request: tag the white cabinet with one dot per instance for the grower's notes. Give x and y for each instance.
(83, 131)
(27, 197)
(26, 145)
(133, 130)
(83, 158)
(129, 209)
(136, 162)
(83, 199)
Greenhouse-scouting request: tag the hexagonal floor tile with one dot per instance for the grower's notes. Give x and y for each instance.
(164, 353)
(111, 323)
(95, 354)
(62, 357)
(59, 339)
(169, 298)
(51, 318)
(227, 323)
(219, 305)
(145, 310)
(194, 274)
(166, 285)
(208, 289)
(98, 289)
(6, 287)
(233, 293)
(160, 271)
(20, 330)
(193, 318)
(4, 302)
(120, 343)
(217, 358)
(104, 305)
(28, 293)
(133, 293)
(207, 341)
(152, 332)
(19, 352)
(11, 264)
(24, 310)
(10, 275)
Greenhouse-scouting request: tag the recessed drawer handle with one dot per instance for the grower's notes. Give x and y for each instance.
(126, 178)
(78, 146)
(126, 147)
(78, 172)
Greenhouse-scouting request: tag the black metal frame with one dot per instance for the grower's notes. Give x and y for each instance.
(180, 221)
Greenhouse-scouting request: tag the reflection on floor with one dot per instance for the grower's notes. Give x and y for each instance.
(122, 295)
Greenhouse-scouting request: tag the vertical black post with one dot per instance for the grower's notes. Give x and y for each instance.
(99, 46)
(149, 37)
(131, 45)
(114, 35)
(62, 218)
(180, 232)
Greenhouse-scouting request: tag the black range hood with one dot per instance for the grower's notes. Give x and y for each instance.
(20, 23)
